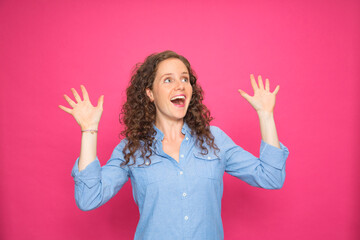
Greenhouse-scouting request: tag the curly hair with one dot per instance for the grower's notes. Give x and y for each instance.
(138, 113)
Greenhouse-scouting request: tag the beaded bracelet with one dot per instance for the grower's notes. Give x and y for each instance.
(90, 130)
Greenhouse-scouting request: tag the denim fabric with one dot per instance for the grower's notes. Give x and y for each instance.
(179, 200)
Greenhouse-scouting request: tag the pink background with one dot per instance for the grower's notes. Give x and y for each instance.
(310, 48)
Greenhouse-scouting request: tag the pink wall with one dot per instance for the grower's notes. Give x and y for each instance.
(310, 48)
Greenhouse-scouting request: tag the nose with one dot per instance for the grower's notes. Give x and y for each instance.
(180, 85)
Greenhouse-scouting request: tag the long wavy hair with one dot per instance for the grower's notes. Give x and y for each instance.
(138, 113)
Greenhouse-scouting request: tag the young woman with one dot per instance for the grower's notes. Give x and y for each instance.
(172, 155)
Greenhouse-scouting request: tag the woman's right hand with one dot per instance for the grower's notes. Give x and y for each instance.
(85, 114)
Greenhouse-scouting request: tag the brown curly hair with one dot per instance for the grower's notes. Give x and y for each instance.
(138, 113)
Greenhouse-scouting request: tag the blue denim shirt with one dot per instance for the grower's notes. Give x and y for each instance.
(179, 200)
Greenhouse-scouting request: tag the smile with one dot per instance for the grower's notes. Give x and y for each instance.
(178, 100)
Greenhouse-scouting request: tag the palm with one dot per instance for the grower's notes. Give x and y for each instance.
(85, 114)
(263, 100)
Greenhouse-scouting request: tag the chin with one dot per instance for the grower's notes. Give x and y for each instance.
(180, 116)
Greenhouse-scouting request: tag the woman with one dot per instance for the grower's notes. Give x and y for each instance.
(172, 155)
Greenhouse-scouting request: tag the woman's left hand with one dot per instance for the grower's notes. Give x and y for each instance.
(263, 100)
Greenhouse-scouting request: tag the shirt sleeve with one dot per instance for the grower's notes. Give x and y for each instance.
(267, 171)
(95, 185)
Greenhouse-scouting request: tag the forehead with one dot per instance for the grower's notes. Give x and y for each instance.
(171, 65)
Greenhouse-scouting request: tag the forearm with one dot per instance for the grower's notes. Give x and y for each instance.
(88, 149)
(268, 128)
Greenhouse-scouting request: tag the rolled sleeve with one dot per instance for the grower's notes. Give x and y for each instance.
(273, 156)
(95, 185)
(90, 176)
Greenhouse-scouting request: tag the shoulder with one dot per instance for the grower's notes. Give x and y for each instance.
(220, 136)
(216, 131)
(119, 151)
(121, 144)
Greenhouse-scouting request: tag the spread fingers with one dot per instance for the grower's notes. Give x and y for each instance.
(261, 84)
(76, 95)
(253, 83)
(267, 85)
(85, 93)
(68, 110)
(71, 102)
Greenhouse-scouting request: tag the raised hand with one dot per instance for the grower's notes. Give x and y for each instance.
(85, 114)
(263, 100)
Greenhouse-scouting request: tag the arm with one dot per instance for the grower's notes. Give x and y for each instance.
(268, 129)
(88, 149)
(263, 102)
(267, 171)
(88, 117)
(96, 185)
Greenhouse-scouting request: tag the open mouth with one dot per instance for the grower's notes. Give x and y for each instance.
(178, 101)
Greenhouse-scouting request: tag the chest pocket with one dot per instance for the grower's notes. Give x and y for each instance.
(149, 173)
(209, 166)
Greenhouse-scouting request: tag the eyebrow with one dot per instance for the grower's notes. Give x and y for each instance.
(171, 74)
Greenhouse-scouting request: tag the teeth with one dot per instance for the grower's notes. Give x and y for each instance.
(177, 97)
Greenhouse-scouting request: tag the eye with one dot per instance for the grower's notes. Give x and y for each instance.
(167, 80)
(185, 79)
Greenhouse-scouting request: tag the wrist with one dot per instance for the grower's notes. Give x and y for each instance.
(265, 114)
(92, 131)
(89, 127)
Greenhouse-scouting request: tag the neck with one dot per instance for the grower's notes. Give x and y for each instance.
(170, 129)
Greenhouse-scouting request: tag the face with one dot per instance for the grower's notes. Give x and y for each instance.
(171, 91)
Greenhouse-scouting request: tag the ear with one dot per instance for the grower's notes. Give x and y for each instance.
(149, 93)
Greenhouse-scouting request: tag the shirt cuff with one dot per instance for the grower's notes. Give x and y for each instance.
(272, 155)
(90, 176)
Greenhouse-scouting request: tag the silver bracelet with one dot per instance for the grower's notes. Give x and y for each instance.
(90, 130)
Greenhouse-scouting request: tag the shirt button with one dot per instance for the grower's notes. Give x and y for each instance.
(187, 138)
(147, 163)
(186, 217)
(184, 194)
(181, 172)
(182, 155)
(209, 157)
